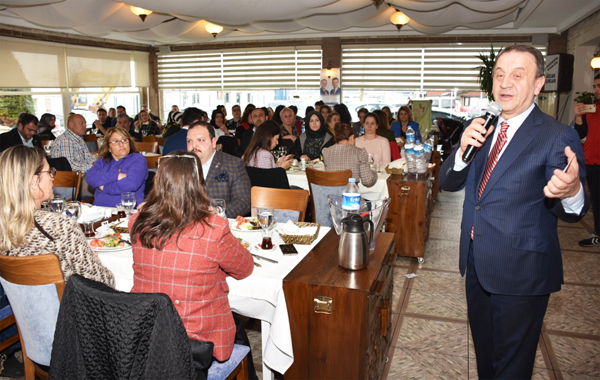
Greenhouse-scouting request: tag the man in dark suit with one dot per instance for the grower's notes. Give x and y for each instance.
(178, 141)
(335, 82)
(515, 190)
(24, 134)
(225, 175)
(324, 87)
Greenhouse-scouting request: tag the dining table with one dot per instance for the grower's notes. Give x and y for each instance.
(259, 295)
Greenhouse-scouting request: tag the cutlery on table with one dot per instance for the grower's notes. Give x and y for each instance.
(264, 258)
(257, 264)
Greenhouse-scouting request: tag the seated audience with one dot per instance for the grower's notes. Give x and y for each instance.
(150, 115)
(191, 252)
(345, 116)
(24, 134)
(121, 110)
(71, 145)
(331, 120)
(103, 123)
(325, 110)
(377, 146)
(298, 120)
(173, 125)
(177, 141)
(26, 181)
(245, 124)
(361, 121)
(405, 120)
(383, 129)
(314, 138)
(258, 154)
(112, 113)
(344, 155)
(45, 127)
(225, 175)
(217, 120)
(145, 125)
(123, 121)
(388, 112)
(288, 131)
(120, 168)
(236, 121)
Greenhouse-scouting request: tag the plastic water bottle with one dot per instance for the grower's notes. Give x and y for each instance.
(421, 165)
(303, 128)
(428, 148)
(410, 135)
(362, 131)
(351, 196)
(410, 157)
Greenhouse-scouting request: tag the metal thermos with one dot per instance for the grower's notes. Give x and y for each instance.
(353, 250)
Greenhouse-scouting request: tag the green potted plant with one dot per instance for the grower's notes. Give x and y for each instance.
(486, 72)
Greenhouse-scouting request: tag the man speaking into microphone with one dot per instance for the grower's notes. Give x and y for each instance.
(527, 172)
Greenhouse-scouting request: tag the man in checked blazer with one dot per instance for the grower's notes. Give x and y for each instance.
(509, 243)
(225, 175)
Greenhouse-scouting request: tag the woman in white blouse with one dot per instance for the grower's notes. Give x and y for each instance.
(377, 146)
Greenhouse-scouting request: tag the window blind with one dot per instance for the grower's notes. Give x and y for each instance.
(412, 67)
(291, 68)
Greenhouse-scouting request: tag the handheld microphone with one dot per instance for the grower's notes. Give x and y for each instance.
(492, 111)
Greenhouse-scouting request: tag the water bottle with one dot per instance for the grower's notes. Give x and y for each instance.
(351, 196)
(428, 148)
(420, 164)
(303, 128)
(410, 157)
(410, 135)
(362, 131)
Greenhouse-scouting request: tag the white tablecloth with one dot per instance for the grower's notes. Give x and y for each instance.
(298, 178)
(258, 296)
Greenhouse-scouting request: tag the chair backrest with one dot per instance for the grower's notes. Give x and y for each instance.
(67, 184)
(321, 184)
(34, 286)
(274, 178)
(149, 138)
(282, 200)
(152, 162)
(161, 144)
(123, 335)
(149, 147)
(91, 141)
(394, 150)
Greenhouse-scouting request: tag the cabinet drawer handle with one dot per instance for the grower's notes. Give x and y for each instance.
(323, 305)
(405, 190)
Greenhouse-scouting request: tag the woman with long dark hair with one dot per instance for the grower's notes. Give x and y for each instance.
(258, 153)
(177, 239)
(45, 127)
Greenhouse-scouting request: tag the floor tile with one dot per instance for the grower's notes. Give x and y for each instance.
(403, 261)
(426, 335)
(577, 376)
(416, 365)
(569, 272)
(586, 265)
(399, 281)
(430, 280)
(573, 310)
(447, 211)
(441, 254)
(570, 237)
(540, 374)
(451, 197)
(595, 292)
(437, 303)
(576, 355)
(444, 229)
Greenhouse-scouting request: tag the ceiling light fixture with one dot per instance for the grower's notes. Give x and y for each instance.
(595, 63)
(143, 13)
(399, 19)
(328, 72)
(213, 29)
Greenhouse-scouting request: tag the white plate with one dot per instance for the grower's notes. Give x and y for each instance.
(111, 249)
(232, 226)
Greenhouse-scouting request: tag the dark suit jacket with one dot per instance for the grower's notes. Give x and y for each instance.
(324, 91)
(12, 138)
(227, 179)
(334, 91)
(175, 142)
(516, 247)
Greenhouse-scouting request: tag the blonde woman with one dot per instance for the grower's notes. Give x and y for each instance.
(26, 181)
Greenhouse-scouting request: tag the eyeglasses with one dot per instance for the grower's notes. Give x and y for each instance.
(115, 142)
(51, 172)
(179, 156)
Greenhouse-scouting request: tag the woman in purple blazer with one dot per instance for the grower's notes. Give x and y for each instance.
(120, 168)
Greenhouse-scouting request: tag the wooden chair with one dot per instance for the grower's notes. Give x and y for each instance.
(318, 198)
(34, 286)
(152, 162)
(92, 142)
(70, 180)
(148, 138)
(279, 199)
(148, 147)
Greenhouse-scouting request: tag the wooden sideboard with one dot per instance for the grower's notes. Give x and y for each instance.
(340, 319)
(408, 216)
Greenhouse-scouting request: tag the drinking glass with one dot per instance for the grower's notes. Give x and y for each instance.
(88, 229)
(121, 211)
(47, 149)
(73, 209)
(266, 216)
(128, 200)
(219, 207)
(57, 204)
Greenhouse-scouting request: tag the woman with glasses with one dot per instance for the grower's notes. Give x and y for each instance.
(120, 168)
(177, 239)
(26, 181)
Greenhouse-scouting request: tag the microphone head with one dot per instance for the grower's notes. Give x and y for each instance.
(494, 108)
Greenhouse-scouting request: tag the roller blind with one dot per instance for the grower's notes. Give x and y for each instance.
(142, 69)
(411, 67)
(292, 68)
(98, 68)
(26, 64)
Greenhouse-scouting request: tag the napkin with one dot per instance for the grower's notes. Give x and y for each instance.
(290, 228)
(89, 214)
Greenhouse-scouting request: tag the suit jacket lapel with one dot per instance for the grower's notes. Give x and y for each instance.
(520, 141)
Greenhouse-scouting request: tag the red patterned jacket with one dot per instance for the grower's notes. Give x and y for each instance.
(192, 273)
